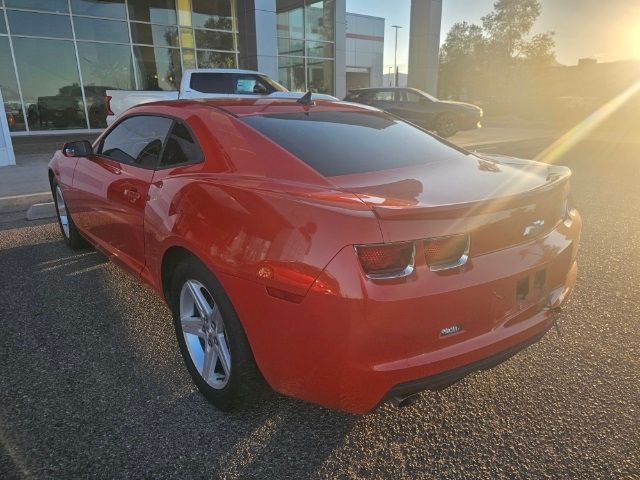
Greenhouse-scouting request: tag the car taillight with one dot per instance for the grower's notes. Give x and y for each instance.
(107, 104)
(390, 260)
(446, 252)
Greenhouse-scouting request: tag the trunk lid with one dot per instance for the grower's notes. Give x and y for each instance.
(500, 201)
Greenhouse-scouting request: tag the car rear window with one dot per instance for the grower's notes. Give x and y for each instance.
(344, 143)
(212, 82)
(231, 83)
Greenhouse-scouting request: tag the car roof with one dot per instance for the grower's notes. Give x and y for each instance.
(240, 107)
(222, 70)
(364, 89)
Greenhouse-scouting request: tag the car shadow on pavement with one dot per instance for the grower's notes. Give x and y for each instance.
(93, 383)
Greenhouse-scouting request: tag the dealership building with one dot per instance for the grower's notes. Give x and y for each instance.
(57, 57)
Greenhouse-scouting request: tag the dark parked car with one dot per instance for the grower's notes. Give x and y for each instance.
(443, 117)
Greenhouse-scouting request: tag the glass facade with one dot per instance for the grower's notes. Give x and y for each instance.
(58, 57)
(306, 41)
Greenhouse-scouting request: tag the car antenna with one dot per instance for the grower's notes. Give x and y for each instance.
(306, 99)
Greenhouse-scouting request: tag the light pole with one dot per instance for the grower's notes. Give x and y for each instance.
(395, 54)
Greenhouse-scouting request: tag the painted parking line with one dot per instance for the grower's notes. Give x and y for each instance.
(27, 195)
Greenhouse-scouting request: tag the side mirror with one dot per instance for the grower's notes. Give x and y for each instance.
(259, 89)
(77, 149)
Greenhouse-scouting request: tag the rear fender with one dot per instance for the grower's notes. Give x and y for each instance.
(281, 240)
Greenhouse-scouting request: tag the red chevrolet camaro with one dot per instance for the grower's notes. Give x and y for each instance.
(330, 250)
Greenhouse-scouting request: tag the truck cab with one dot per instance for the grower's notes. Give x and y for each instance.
(205, 83)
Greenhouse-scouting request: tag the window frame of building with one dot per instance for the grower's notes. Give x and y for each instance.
(184, 24)
(19, 121)
(66, 109)
(3, 22)
(307, 39)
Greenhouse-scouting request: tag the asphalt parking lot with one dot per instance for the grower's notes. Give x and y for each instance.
(92, 385)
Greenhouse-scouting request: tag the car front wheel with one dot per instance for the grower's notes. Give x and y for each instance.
(69, 231)
(212, 341)
(446, 125)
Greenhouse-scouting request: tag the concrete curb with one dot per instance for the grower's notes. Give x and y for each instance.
(39, 211)
(20, 203)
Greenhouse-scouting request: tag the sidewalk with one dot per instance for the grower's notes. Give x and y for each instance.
(27, 182)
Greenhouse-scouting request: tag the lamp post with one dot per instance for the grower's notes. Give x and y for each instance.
(395, 54)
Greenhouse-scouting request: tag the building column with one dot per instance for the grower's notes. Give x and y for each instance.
(424, 44)
(340, 52)
(257, 39)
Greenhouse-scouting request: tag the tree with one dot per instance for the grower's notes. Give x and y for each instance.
(461, 59)
(540, 49)
(509, 23)
(463, 41)
(484, 59)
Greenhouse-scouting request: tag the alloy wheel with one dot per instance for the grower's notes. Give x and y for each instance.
(205, 334)
(62, 212)
(446, 125)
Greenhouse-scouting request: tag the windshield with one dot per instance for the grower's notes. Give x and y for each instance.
(342, 143)
(274, 84)
(425, 94)
(234, 83)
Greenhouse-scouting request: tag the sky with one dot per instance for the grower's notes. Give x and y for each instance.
(608, 30)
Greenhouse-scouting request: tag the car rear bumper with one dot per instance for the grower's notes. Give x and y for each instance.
(351, 343)
(400, 393)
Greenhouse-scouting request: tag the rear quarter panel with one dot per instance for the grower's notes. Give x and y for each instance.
(238, 225)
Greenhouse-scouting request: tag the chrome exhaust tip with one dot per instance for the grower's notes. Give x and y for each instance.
(405, 401)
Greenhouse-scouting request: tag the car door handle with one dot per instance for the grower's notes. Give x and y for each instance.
(132, 194)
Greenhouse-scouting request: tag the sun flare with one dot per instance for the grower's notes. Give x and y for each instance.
(634, 39)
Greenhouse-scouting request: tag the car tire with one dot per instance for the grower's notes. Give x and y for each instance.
(446, 125)
(237, 385)
(70, 233)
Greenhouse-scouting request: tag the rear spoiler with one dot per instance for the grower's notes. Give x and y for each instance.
(558, 179)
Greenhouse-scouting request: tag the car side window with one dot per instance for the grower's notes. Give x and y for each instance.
(212, 82)
(137, 140)
(247, 84)
(413, 97)
(181, 147)
(361, 97)
(384, 96)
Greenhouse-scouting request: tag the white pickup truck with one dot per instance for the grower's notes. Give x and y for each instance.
(205, 83)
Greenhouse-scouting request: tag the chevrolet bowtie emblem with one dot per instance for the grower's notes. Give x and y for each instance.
(534, 229)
